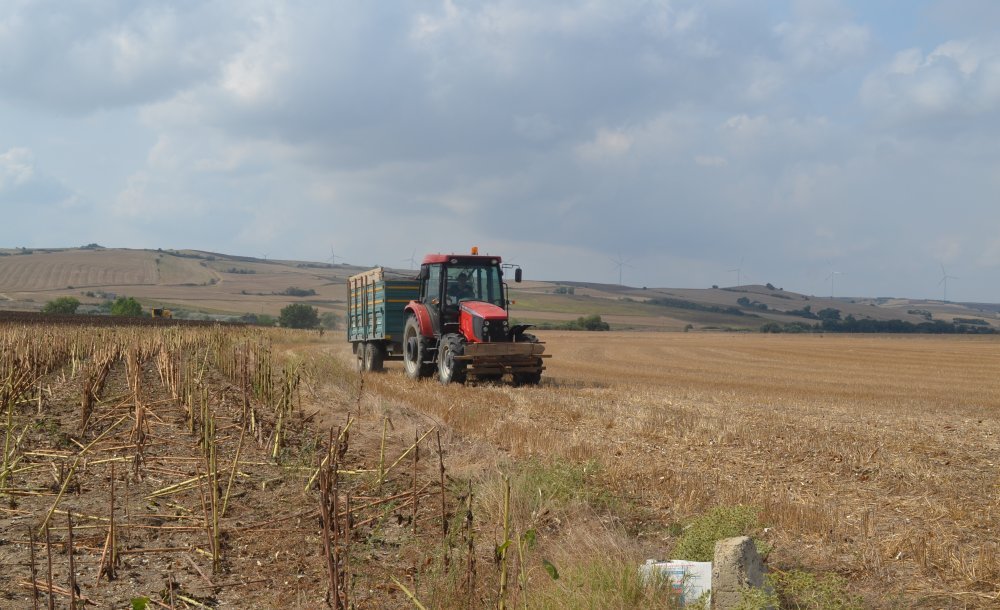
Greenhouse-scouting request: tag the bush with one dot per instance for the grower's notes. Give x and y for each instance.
(799, 589)
(329, 320)
(593, 322)
(126, 306)
(62, 305)
(805, 312)
(299, 315)
(828, 314)
(292, 291)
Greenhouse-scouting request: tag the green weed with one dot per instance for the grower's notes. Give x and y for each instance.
(697, 542)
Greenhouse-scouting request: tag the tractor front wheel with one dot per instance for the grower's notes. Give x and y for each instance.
(521, 379)
(449, 368)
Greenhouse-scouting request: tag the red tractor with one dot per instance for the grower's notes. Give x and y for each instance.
(459, 324)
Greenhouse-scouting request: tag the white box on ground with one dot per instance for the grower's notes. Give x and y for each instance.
(689, 579)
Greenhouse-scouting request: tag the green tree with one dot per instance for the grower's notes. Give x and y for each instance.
(62, 305)
(126, 306)
(828, 314)
(299, 315)
(329, 320)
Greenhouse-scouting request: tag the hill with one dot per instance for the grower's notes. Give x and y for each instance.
(212, 283)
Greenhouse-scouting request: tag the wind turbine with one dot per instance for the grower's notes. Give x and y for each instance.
(265, 256)
(412, 260)
(621, 262)
(739, 273)
(944, 280)
(832, 278)
(333, 257)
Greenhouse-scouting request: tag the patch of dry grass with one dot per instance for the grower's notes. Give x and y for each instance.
(870, 456)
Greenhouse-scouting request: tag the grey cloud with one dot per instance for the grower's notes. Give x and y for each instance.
(691, 133)
(79, 57)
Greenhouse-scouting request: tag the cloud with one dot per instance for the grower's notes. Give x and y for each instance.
(23, 187)
(15, 168)
(80, 57)
(799, 134)
(822, 42)
(606, 144)
(957, 79)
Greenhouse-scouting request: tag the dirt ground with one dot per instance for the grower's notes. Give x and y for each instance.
(870, 457)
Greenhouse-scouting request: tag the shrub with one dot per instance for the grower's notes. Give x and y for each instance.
(62, 305)
(593, 322)
(329, 320)
(292, 291)
(828, 314)
(126, 306)
(799, 589)
(299, 315)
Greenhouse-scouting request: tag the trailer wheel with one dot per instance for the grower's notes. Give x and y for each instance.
(450, 369)
(374, 357)
(527, 379)
(359, 357)
(414, 350)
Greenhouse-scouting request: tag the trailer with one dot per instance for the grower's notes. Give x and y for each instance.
(376, 316)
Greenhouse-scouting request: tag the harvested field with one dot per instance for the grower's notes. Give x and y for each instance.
(58, 270)
(872, 458)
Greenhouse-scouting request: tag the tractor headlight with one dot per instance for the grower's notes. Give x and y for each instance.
(486, 322)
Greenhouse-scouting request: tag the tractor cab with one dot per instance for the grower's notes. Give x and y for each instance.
(452, 283)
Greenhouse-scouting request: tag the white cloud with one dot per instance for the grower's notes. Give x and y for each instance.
(16, 168)
(956, 79)
(820, 46)
(607, 143)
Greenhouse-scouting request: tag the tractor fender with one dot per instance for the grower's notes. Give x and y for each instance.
(419, 310)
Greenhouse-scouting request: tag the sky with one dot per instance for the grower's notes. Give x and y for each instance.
(845, 147)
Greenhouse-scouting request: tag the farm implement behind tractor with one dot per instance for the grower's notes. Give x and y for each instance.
(450, 320)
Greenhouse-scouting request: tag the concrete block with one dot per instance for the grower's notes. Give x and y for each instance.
(736, 567)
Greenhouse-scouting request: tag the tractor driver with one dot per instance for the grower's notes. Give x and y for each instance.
(462, 289)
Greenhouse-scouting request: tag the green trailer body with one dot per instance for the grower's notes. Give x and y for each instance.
(375, 316)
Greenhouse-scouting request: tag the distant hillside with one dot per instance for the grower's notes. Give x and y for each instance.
(187, 279)
(216, 283)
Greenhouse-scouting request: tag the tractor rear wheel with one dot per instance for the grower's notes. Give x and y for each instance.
(449, 368)
(414, 350)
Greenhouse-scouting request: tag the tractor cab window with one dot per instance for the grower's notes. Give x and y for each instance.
(473, 283)
(433, 284)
